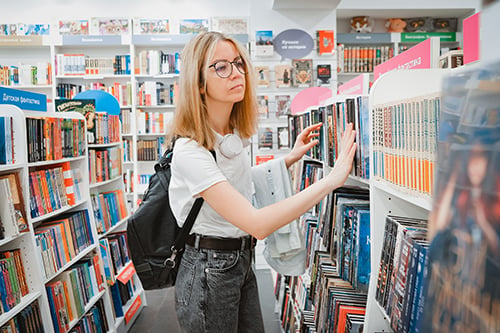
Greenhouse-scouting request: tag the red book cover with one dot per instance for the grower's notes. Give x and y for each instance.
(326, 42)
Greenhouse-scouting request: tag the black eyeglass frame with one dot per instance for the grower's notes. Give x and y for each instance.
(233, 64)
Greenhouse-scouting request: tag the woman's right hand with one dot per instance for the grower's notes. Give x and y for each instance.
(343, 163)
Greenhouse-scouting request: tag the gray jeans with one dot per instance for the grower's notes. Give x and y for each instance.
(216, 292)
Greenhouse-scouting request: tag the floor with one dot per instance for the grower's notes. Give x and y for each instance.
(159, 314)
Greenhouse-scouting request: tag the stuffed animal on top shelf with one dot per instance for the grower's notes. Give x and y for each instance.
(419, 24)
(361, 24)
(395, 25)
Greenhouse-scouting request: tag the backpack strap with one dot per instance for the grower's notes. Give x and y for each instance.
(188, 224)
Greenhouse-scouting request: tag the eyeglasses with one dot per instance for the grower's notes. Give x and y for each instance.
(224, 68)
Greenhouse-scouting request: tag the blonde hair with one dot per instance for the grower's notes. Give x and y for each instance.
(191, 118)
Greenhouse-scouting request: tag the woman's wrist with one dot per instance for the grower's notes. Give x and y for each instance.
(290, 160)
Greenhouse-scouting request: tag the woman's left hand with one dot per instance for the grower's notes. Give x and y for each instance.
(304, 142)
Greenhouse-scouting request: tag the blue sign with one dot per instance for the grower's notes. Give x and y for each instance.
(293, 44)
(25, 100)
(104, 101)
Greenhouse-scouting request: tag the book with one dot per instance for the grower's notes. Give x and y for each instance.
(264, 46)
(73, 27)
(193, 26)
(324, 74)
(230, 25)
(283, 105)
(283, 75)
(86, 107)
(16, 199)
(325, 42)
(302, 72)
(147, 26)
(463, 289)
(259, 159)
(283, 137)
(109, 26)
(265, 139)
(263, 106)
(262, 73)
(6, 140)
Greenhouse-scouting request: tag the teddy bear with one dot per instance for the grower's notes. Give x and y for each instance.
(395, 25)
(361, 24)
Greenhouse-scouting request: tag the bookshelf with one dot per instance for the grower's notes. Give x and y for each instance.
(390, 43)
(13, 239)
(275, 95)
(305, 301)
(63, 242)
(389, 194)
(26, 64)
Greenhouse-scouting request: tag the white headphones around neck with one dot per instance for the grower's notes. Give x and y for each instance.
(230, 145)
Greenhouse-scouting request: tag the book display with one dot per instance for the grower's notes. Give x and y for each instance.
(408, 244)
(402, 163)
(464, 220)
(54, 274)
(337, 233)
(280, 78)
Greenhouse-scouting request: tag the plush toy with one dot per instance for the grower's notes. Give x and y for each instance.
(445, 24)
(361, 24)
(395, 25)
(419, 24)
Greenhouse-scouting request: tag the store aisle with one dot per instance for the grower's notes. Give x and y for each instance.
(159, 315)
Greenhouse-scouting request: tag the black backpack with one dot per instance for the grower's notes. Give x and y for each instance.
(155, 241)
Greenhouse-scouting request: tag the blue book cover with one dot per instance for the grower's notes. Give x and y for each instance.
(3, 138)
(363, 268)
(418, 292)
(115, 296)
(52, 307)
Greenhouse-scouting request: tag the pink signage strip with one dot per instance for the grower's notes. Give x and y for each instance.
(352, 87)
(471, 38)
(419, 56)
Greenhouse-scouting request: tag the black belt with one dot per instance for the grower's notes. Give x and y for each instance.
(219, 243)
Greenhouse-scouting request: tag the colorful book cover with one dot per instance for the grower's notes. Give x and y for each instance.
(324, 73)
(464, 226)
(283, 105)
(264, 43)
(109, 26)
(84, 106)
(262, 73)
(326, 42)
(263, 106)
(146, 26)
(193, 26)
(265, 138)
(302, 72)
(283, 75)
(74, 27)
(259, 159)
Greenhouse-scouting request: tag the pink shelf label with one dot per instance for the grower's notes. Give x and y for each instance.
(471, 38)
(352, 87)
(419, 56)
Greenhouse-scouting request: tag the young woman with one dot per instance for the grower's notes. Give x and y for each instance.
(216, 289)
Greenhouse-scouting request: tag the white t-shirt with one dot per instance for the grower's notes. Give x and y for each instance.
(193, 171)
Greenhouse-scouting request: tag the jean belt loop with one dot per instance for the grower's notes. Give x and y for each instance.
(197, 242)
(243, 240)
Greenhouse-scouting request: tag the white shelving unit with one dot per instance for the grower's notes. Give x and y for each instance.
(36, 275)
(23, 241)
(386, 198)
